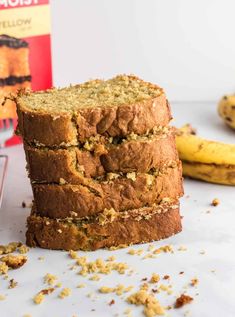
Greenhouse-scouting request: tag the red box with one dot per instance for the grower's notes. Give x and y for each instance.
(25, 51)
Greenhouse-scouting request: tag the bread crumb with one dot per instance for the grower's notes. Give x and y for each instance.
(58, 285)
(41, 258)
(2, 297)
(215, 202)
(166, 277)
(135, 252)
(65, 293)
(151, 305)
(94, 277)
(183, 300)
(111, 302)
(154, 278)
(23, 204)
(23, 249)
(39, 298)
(27, 315)
(194, 282)
(14, 261)
(106, 289)
(164, 249)
(50, 279)
(12, 283)
(9, 248)
(73, 254)
(144, 287)
(3, 268)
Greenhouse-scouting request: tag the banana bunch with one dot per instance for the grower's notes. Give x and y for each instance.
(226, 110)
(203, 159)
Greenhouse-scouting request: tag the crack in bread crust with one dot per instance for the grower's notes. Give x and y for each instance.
(61, 201)
(50, 166)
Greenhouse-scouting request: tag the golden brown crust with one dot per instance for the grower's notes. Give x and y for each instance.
(50, 165)
(67, 129)
(52, 234)
(61, 201)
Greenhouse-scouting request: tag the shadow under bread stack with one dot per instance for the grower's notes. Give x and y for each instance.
(103, 165)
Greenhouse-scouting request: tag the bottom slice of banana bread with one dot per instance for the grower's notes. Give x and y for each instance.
(108, 229)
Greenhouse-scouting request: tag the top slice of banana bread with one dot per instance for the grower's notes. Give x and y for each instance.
(115, 107)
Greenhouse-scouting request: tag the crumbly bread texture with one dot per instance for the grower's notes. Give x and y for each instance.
(98, 157)
(115, 107)
(91, 235)
(123, 193)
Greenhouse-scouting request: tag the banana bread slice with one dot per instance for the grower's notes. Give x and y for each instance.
(123, 229)
(116, 107)
(130, 191)
(100, 156)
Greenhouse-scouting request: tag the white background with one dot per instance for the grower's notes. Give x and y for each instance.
(186, 46)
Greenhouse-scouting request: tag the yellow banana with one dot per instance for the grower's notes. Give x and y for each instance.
(203, 159)
(226, 110)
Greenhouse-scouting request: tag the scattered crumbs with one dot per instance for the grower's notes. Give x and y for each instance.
(212, 271)
(14, 261)
(23, 249)
(3, 268)
(135, 252)
(182, 272)
(50, 279)
(111, 258)
(166, 277)
(95, 277)
(119, 289)
(99, 266)
(27, 315)
(39, 298)
(183, 300)
(112, 302)
(154, 278)
(9, 248)
(182, 248)
(202, 252)
(81, 285)
(208, 211)
(23, 204)
(152, 307)
(165, 288)
(164, 249)
(215, 202)
(2, 297)
(12, 283)
(144, 279)
(194, 282)
(65, 293)
(187, 196)
(73, 254)
(41, 258)
(186, 313)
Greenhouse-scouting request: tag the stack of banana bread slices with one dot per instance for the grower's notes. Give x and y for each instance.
(103, 164)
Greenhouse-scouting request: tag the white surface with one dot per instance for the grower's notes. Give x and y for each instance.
(212, 232)
(186, 46)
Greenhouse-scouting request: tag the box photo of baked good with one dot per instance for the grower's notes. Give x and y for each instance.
(25, 57)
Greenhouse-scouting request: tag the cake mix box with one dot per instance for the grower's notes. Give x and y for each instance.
(25, 53)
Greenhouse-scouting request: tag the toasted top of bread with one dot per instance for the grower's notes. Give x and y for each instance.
(122, 89)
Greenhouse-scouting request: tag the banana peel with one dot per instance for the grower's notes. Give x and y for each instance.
(206, 160)
(226, 110)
